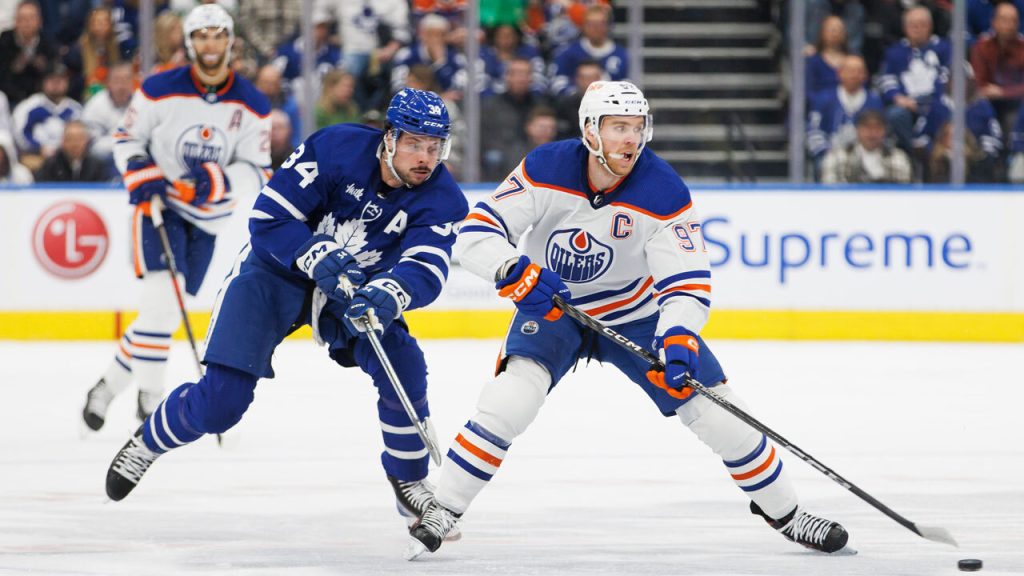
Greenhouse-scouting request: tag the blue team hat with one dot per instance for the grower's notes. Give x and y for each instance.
(419, 112)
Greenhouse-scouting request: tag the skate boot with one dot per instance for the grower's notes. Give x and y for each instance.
(431, 529)
(809, 530)
(97, 400)
(146, 404)
(128, 466)
(412, 500)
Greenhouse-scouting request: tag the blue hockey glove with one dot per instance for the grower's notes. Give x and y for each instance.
(323, 260)
(330, 324)
(532, 289)
(381, 301)
(143, 179)
(205, 184)
(679, 353)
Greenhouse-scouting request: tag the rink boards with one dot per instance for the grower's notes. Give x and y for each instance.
(860, 263)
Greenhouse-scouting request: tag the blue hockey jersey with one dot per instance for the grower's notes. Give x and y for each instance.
(915, 72)
(830, 122)
(611, 57)
(980, 120)
(332, 185)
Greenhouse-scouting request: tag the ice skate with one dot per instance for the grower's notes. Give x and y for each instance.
(128, 466)
(147, 402)
(809, 531)
(97, 400)
(431, 530)
(413, 499)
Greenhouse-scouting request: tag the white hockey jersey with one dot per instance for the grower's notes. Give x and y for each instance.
(173, 120)
(625, 253)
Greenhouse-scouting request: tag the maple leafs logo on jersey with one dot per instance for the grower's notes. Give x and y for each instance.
(351, 236)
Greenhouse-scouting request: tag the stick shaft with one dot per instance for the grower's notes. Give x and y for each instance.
(589, 322)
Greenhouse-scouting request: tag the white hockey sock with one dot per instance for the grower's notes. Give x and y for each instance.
(753, 462)
(507, 406)
(119, 374)
(150, 335)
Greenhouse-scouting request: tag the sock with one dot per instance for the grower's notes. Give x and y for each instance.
(472, 461)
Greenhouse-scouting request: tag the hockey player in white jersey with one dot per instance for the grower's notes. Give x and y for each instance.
(613, 231)
(199, 137)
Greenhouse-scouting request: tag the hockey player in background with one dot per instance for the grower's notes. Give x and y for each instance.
(199, 137)
(615, 222)
(377, 207)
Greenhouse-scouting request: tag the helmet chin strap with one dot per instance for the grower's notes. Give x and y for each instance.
(389, 155)
(599, 152)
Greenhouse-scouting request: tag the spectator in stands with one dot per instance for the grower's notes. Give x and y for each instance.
(980, 12)
(422, 77)
(594, 45)
(72, 162)
(11, 171)
(91, 57)
(431, 48)
(1016, 172)
(831, 120)
(822, 67)
(984, 133)
(337, 102)
(169, 41)
(266, 24)
(39, 119)
(269, 81)
(567, 106)
(281, 137)
(941, 157)
(506, 42)
(869, 160)
(126, 21)
(372, 32)
(914, 75)
(998, 62)
(502, 122)
(104, 111)
(24, 54)
(851, 14)
(541, 127)
(289, 54)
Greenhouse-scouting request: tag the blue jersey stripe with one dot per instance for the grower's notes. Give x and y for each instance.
(671, 295)
(749, 457)
(494, 214)
(604, 294)
(620, 313)
(468, 467)
(474, 228)
(665, 283)
(766, 481)
(487, 435)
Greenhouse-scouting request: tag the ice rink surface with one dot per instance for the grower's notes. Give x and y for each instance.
(600, 484)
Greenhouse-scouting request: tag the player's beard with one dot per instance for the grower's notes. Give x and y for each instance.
(416, 175)
(209, 70)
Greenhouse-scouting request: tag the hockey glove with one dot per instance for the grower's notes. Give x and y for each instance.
(205, 184)
(143, 179)
(323, 260)
(378, 304)
(532, 289)
(679, 353)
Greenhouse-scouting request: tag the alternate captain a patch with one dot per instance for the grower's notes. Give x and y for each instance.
(577, 256)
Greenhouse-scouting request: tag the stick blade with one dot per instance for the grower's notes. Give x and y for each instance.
(937, 534)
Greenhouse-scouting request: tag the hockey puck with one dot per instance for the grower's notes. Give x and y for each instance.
(969, 565)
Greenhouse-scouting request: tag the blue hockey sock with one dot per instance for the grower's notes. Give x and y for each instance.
(405, 456)
(167, 428)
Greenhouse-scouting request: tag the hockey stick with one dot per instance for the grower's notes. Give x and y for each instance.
(156, 211)
(423, 428)
(933, 533)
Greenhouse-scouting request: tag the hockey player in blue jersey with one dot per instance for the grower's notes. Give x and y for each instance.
(612, 230)
(198, 136)
(377, 207)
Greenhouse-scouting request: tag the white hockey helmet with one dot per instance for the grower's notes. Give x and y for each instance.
(208, 16)
(612, 99)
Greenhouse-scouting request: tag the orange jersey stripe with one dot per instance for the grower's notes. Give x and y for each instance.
(493, 461)
(621, 303)
(151, 346)
(482, 218)
(704, 287)
(759, 469)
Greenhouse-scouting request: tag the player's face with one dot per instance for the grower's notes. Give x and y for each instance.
(416, 156)
(621, 137)
(211, 46)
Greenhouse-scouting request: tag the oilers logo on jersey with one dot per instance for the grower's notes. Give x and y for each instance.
(577, 256)
(200, 143)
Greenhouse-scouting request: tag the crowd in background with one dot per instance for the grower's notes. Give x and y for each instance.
(68, 69)
(898, 127)
(877, 78)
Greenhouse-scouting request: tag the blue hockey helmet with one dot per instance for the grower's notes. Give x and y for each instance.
(419, 112)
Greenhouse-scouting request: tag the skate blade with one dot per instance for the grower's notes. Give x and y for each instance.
(454, 536)
(847, 550)
(414, 550)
